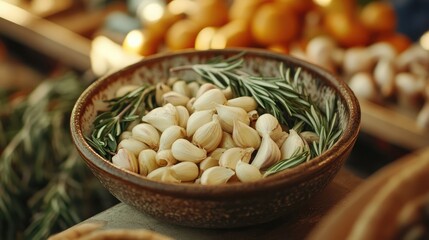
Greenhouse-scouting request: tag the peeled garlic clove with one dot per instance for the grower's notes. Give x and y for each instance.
(126, 160)
(293, 144)
(147, 161)
(382, 50)
(319, 50)
(170, 135)
(231, 156)
(183, 115)
(410, 89)
(160, 174)
(147, 134)
(193, 87)
(357, 59)
(162, 117)
(216, 175)
(185, 171)
(229, 114)
(190, 105)
(412, 54)
(133, 124)
(217, 153)
(125, 135)
(175, 98)
(204, 88)
(247, 103)
(209, 99)
(227, 92)
(123, 90)
(183, 150)
(165, 158)
(181, 87)
(172, 80)
(157, 173)
(384, 77)
(268, 153)
(246, 172)
(253, 116)
(209, 135)
(309, 137)
(363, 86)
(267, 124)
(133, 145)
(281, 139)
(160, 90)
(245, 136)
(208, 163)
(227, 141)
(168, 177)
(197, 119)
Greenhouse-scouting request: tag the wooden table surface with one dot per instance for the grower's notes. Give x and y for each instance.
(294, 226)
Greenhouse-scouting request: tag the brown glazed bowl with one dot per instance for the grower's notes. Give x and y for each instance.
(233, 204)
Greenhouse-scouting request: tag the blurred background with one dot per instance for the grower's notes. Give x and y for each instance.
(51, 50)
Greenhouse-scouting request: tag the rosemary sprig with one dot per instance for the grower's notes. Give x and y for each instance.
(39, 162)
(53, 205)
(291, 162)
(122, 110)
(284, 96)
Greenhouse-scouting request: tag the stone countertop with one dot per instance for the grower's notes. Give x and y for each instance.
(294, 226)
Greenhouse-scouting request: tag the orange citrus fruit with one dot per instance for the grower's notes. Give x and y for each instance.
(233, 34)
(274, 24)
(298, 6)
(208, 13)
(182, 34)
(244, 9)
(378, 17)
(347, 7)
(346, 31)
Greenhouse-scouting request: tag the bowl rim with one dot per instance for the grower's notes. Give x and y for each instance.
(282, 179)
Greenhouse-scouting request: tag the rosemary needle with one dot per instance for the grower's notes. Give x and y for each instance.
(123, 110)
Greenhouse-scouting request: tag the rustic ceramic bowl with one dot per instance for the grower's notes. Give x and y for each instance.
(229, 205)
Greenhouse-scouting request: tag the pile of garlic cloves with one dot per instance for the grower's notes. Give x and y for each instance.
(202, 134)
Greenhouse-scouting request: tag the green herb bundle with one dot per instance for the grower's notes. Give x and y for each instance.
(42, 175)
